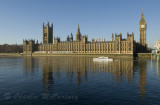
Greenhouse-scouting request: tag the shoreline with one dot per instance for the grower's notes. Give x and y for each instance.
(10, 55)
(138, 55)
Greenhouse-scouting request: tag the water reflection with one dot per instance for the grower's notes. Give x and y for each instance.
(142, 78)
(78, 69)
(30, 64)
(157, 67)
(157, 64)
(47, 73)
(118, 69)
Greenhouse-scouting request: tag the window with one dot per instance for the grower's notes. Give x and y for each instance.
(45, 34)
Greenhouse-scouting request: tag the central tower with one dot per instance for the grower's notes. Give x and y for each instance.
(78, 34)
(47, 34)
(142, 30)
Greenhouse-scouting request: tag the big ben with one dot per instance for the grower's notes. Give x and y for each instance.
(142, 30)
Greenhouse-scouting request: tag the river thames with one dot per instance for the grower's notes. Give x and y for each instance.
(78, 81)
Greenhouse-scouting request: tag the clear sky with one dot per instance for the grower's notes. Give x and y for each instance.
(22, 19)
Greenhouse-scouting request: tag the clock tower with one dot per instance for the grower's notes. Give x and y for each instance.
(142, 30)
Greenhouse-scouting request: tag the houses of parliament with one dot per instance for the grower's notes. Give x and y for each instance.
(117, 45)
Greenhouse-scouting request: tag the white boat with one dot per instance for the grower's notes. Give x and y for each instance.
(102, 59)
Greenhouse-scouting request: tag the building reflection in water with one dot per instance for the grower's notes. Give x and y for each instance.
(118, 69)
(157, 67)
(77, 69)
(151, 63)
(30, 64)
(142, 78)
(47, 73)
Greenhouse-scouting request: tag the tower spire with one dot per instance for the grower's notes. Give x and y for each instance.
(78, 34)
(142, 16)
(48, 23)
(52, 25)
(43, 24)
(78, 30)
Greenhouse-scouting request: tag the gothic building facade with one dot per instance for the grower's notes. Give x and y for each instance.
(117, 45)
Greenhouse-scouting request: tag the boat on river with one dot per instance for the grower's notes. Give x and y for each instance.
(102, 58)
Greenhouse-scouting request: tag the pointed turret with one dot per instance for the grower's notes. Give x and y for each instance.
(37, 42)
(142, 16)
(52, 25)
(48, 24)
(43, 24)
(71, 37)
(68, 38)
(78, 30)
(78, 34)
(112, 37)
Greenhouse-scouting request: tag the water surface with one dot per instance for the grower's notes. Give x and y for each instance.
(78, 80)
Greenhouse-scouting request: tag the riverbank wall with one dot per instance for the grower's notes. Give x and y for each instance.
(138, 55)
(10, 55)
(85, 54)
(144, 55)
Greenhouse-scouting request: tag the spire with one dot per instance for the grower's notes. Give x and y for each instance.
(71, 38)
(43, 24)
(52, 25)
(71, 35)
(68, 38)
(37, 42)
(112, 35)
(78, 30)
(132, 33)
(142, 16)
(78, 34)
(48, 23)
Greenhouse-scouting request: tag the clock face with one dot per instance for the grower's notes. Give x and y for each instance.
(142, 26)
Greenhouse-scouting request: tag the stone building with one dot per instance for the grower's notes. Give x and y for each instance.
(117, 45)
(157, 44)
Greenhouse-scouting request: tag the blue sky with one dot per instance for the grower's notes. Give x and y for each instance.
(22, 19)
